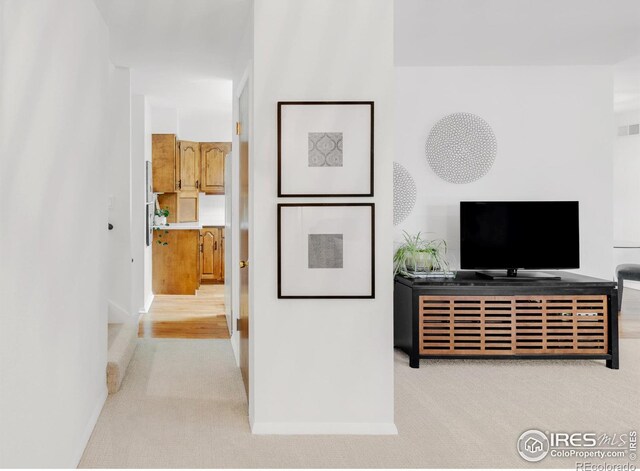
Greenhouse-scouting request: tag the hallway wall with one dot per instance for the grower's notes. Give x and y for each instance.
(321, 365)
(54, 75)
(119, 199)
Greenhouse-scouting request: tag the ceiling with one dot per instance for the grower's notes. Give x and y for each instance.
(166, 88)
(188, 37)
(515, 32)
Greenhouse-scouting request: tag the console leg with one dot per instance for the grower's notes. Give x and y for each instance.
(614, 363)
(414, 361)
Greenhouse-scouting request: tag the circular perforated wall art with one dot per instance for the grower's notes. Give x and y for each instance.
(461, 148)
(404, 193)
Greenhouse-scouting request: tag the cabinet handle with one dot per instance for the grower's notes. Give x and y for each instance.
(179, 184)
(215, 245)
(197, 183)
(201, 248)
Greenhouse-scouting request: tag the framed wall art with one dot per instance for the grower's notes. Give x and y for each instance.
(326, 250)
(325, 148)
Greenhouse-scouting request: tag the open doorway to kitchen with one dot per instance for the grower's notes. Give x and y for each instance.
(187, 231)
(178, 69)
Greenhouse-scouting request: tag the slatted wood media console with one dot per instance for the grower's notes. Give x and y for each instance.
(575, 317)
(513, 325)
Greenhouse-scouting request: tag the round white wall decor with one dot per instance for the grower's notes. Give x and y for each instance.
(461, 148)
(404, 193)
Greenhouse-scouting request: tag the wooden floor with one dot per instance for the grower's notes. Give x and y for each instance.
(187, 317)
(630, 315)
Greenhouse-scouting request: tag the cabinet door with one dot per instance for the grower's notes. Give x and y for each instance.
(188, 206)
(212, 171)
(207, 254)
(221, 253)
(189, 166)
(163, 162)
(175, 265)
(217, 257)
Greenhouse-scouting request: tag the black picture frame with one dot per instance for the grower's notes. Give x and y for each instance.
(370, 193)
(329, 296)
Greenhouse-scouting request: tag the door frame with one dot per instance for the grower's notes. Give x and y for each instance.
(245, 83)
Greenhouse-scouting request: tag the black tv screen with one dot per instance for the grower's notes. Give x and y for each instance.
(519, 234)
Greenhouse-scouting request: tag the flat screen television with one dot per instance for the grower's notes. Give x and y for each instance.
(512, 235)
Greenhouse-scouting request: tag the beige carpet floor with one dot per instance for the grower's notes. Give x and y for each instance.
(182, 405)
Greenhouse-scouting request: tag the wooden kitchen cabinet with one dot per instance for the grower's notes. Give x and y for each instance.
(188, 166)
(183, 206)
(212, 254)
(175, 265)
(169, 201)
(188, 206)
(163, 149)
(212, 155)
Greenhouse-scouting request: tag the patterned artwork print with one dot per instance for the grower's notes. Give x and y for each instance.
(404, 193)
(325, 251)
(325, 149)
(461, 148)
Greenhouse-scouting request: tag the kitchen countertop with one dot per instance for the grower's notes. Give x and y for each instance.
(186, 226)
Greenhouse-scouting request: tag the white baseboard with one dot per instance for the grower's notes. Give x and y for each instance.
(147, 304)
(323, 428)
(632, 284)
(235, 346)
(118, 314)
(91, 423)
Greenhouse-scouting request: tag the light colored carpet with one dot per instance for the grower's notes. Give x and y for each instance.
(182, 405)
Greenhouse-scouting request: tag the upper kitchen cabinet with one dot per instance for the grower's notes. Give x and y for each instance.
(188, 166)
(164, 162)
(212, 166)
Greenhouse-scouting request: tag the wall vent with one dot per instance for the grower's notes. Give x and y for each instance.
(629, 130)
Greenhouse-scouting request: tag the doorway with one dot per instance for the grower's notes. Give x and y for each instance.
(243, 128)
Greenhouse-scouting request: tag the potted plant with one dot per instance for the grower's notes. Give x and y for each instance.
(418, 255)
(160, 218)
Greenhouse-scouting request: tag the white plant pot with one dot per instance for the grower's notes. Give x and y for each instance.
(160, 220)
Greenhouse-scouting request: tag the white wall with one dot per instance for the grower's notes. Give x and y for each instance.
(140, 153)
(53, 237)
(554, 131)
(119, 194)
(626, 194)
(164, 120)
(212, 210)
(205, 125)
(320, 366)
(626, 186)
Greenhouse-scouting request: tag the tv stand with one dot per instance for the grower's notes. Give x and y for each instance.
(512, 273)
(473, 317)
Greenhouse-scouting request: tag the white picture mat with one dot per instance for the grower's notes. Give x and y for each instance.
(353, 121)
(353, 279)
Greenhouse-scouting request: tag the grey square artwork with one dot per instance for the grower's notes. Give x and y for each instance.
(325, 250)
(325, 149)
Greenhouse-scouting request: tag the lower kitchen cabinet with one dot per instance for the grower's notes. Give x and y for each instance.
(176, 259)
(212, 254)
